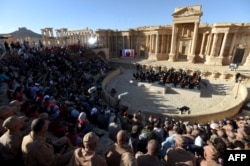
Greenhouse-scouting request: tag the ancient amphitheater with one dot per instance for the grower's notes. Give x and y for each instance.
(222, 97)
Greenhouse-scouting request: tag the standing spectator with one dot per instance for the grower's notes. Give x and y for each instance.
(114, 153)
(134, 138)
(178, 154)
(210, 156)
(168, 142)
(40, 44)
(5, 112)
(102, 120)
(158, 131)
(87, 154)
(11, 140)
(37, 151)
(7, 47)
(19, 94)
(151, 157)
(114, 128)
(34, 90)
(73, 136)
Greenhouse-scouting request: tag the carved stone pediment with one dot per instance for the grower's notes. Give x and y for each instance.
(187, 12)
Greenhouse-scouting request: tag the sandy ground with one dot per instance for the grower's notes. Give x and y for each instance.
(144, 99)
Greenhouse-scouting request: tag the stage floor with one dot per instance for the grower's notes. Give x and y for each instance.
(144, 99)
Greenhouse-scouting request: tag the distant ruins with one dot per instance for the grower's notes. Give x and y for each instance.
(185, 40)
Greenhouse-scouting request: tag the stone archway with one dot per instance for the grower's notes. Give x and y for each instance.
(185, 27)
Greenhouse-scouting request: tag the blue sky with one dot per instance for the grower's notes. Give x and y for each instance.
(111, 14)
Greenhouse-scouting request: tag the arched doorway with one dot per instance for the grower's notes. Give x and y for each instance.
(238, 56)
(183, 50)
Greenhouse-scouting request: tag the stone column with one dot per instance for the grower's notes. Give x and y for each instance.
(202, 44)
(156, 43)
(232, 45)
(148, 43)
(191, 56)
(129, 46)
(247, 63)
(208, 46)
(123, 42)
(173, 42)
(163, 43)
(168, 42)
(194, 38)
(160, 43)
(152, 43)
(214, 43)
(223, 44)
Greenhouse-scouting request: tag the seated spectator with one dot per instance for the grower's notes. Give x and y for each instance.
(113, 128)
(178, 154)
(239, 145)
(146, 134)
(37, 151)
(73, 136)
(134, 138)
(135, 120)
(151, 157)
(158, 131)
(115, 151)
(210, 156)
(126, 122)
(17, 104)
(11, 140)
(82, 121)
(87, 154)
(168, 142)
(189, 138)
(102, 120)
(59, 131)
(5, 112)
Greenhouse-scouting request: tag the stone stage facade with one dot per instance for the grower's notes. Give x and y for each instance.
(187, 39)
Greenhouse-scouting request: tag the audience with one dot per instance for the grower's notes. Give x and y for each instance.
(59, 92)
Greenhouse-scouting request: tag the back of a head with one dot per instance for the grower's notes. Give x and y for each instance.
(210, 152)
(122, 137)
(37, 124)
(153, 147)
(188, 130)
(179, 141)
(90, 138)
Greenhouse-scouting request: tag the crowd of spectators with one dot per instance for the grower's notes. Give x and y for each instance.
(55, 102)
